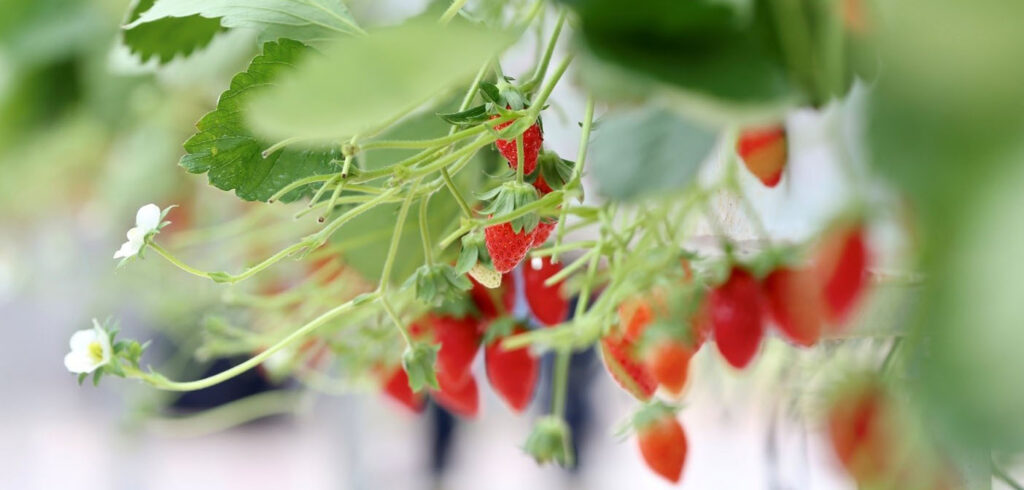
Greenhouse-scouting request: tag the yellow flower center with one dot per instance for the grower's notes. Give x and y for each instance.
(96, 351)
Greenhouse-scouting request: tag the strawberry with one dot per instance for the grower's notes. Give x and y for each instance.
(460, 396)
(663, 445)
(842, 263)
(735, 311)
(630, 374)
(543, 231)
(861, 433)
(548, 303)
(669, 363)
(542, 186)
(634, 316)
(793, 300)
(700, 324)
(763, 150)
(512, 373)
(396, 387)
(485, 299)
(459, 339)
(533, 138)
(506, 247)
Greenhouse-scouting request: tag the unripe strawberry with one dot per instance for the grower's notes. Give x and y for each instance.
(764, 152)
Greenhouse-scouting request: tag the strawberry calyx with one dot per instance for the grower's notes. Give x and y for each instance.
(550, 442)
(508, 197)
(439, 284)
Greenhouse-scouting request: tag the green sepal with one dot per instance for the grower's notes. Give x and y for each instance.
(418, 363)
(508, 197)
(471, 116)
(550, 442)
(556, 171)
(500, 328)
(490, 92)
(647, 414)
(439, 283)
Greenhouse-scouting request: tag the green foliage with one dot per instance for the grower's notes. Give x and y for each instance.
(231, 155)
(646, 151)
(363, 82)
(711, 48)
(550, 442)
(509, 197)
(168, 37)
(438, 284)
(418, 362)
(302, 20)
(473, 251)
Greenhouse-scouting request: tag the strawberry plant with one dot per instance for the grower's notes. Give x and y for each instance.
(399, 189)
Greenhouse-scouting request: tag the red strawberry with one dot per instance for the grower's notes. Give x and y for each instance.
(543, 231)
(621, 364)
(663, 446)
(507, 248)
(396, 386)
(459, 339)
(669, 363)
(793, 299)
(512, 373)
(542, 186)
(533, 138)
(861, 434)
(763, 151)
(842, 263)
(548, 303)
(735, 309)
(634, 316)
(460, 397)
(485, 298)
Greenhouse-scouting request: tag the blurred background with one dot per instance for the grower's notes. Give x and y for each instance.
(88, 133)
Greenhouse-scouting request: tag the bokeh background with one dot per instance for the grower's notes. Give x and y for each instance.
(88, 134)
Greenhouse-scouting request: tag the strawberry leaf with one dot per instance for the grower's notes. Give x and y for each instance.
(230, 154)
(168, 37)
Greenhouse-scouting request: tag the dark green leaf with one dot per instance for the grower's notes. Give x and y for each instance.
(474, 115)
(170, 36)
(231, 155)
(646, 151)
(490, 92)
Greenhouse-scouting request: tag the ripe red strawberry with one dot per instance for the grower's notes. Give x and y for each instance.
(485, 298)
(460, 397)
(512, 373)
(861, 432)
(533, 139)
(459, 339)
(396, 387)
(548, 303)
(630, 374)
(794, 302)
(663, 446)
(669, 364)
(542, 232)
(842, 263)
(735, 309)
(763, 151)
(507, 248)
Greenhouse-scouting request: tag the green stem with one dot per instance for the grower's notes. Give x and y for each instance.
(561, 383)
(396, 236)
(584, 296)
(394, 318)
(299, 183)
(542, 68)
(1005, 477)
(163, 383)
(466, 210)
(545, 91)
(177, 263)
(425, 231)
(452, 11)
(228, 415)
(571, 268)
(577, 170)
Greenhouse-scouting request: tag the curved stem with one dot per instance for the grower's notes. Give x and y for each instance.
(299, 183)
(163, 383)
(452, 11)
(177, 263)
(396, 236)
(1005, 477)
(559, 386)
(542, 67)
(425, 231)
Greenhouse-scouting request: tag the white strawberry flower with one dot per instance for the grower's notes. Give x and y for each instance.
(148, 221)
(90, 349)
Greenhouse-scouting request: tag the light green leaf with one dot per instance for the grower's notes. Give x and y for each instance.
(645, 151)
(230, 155)
(362, 82)
(168, 37)
(303, 20)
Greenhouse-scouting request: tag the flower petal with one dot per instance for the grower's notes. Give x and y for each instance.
(78, 363)
(81, 339)
(148, 218)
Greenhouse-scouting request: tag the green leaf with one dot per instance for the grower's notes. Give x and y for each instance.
(646, 151)
(473, 115)
(302, 20)
(362, 82)
(230, 154)
(721, 52)
(168, 37)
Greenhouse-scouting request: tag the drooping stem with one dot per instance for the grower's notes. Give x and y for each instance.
(425, 231)
(549, 50)
(396, 236)
(178, 263)
(559, 386)
(452, 11)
